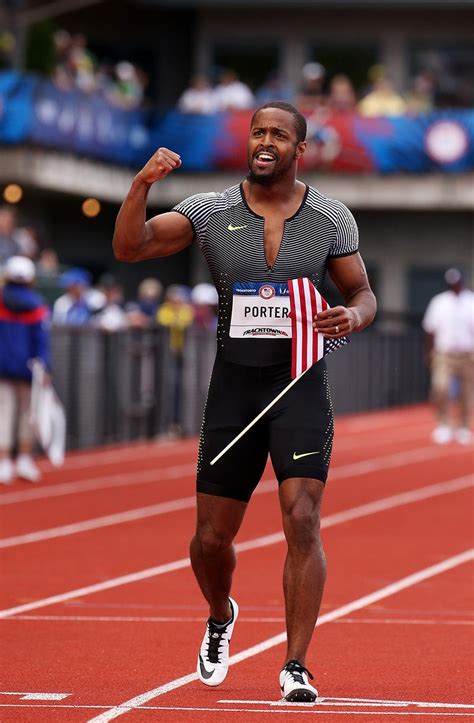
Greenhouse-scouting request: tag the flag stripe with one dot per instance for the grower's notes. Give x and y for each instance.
(303, 360)
(293, 325)
(308, 347)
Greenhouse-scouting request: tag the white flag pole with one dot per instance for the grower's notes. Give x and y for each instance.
(259, 416)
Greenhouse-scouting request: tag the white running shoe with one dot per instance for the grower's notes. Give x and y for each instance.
(294, 684)
(463, 435)
(213, 658)
(6, 471)
(26, 468)
(442, 434)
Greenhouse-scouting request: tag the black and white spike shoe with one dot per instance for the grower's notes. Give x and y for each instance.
(294, 684)
(213, 658)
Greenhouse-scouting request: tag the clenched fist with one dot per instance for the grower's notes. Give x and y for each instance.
(160, 164)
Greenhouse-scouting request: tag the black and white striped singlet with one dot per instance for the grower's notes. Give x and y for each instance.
(231, 237)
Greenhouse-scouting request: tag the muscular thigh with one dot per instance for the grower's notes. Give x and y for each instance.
(302, 428)
(232, 402)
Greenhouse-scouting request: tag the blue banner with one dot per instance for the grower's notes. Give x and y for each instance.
(16, 94)
(437, 141)
(36, 110)
(88, 125)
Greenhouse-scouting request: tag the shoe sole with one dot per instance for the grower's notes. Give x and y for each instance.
(300, 695)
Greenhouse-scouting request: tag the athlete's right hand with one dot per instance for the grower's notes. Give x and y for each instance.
(160, 164)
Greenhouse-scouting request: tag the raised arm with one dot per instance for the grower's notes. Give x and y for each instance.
(350, 277)
(136, 239)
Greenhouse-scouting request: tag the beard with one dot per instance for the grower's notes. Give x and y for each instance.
(263, 179)
(266, 179)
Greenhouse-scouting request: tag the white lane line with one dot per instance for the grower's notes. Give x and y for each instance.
(160, 508)
(346, 440)
(362, 602)
(146, 476)
(358, 702)
(397, 459)
(117, 518)
(272, 539)
(296, 708)
(98, 483)
(38, 696)
(129, 452)
(176, 619)
(363, 423)
(140, 513)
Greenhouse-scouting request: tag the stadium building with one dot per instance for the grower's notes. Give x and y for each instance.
(413, 222)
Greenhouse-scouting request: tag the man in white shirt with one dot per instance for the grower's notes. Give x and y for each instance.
(231, 93)
(449, 324)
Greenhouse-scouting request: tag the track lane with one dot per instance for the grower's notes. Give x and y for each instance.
(161, 598)
(128, 652)
(68, 560)
(148, 487)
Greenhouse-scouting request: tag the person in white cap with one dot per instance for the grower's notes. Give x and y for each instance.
(449, 325)
(23, 336)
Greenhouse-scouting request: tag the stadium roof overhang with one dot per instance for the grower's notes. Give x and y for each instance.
(61, 173)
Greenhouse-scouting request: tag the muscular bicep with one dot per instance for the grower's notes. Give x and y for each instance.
(349, 275)
(166, 234)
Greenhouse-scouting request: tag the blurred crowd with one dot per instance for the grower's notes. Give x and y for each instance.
(123, 83)
(75, 300)
(316, 93)
(38, 293)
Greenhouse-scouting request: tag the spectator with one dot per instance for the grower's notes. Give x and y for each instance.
(111, 316)
(142, 312)
(123, 84)
(342, 97)
(274, 88)
(231, 94)
(382, 100)
(73, 306)
(23, 337)
(419, 98)
(48, 263)
(63, 74)
(177, 315)
(27, 241)
(127, 91)
(204, 299)
(48, 270)
(449, 325)
(8, 244)
(83, 64)
(199, 97)
(311, 95)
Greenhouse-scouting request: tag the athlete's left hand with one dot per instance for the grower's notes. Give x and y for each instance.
(336, 322)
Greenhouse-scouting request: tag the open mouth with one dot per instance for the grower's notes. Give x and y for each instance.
(264, 159)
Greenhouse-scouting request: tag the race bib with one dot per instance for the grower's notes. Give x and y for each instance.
(260, 311)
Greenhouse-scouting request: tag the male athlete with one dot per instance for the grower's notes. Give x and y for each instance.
(255, 237)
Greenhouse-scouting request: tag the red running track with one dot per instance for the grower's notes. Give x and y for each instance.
(101, 617)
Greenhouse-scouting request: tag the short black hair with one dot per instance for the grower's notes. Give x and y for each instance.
(299, 119)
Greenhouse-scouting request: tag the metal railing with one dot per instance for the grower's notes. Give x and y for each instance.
(128, 385)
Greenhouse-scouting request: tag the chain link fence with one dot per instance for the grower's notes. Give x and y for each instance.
(128, 385)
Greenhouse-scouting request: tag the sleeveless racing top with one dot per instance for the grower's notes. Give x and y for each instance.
(252, 328)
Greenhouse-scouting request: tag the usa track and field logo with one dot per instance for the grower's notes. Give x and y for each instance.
(267, 291)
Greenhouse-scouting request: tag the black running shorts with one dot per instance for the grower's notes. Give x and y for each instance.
(297, 431)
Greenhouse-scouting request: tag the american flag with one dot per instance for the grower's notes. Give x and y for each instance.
(308, 347)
